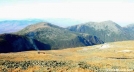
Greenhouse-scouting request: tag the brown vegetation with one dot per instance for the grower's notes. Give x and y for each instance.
(82, 59)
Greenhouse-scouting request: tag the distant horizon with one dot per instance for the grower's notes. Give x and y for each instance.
(59, 23)
(121, 12)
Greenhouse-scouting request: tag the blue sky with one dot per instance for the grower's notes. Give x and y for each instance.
(119, 11)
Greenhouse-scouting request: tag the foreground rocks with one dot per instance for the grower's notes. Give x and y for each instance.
(52, 65)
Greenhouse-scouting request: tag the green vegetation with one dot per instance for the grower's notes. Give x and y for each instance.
(108, 31)
(58, 37)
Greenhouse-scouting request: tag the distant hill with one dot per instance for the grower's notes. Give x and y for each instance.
(17, 43)
(130, 29)
(58, 37)
(108, 31)
(8, 26)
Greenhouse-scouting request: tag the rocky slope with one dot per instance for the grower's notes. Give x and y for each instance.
(17, 43)
(58, 37)
(108, 31)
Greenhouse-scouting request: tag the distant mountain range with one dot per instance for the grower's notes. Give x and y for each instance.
(39, 35)
(8, 26)
(108, 31)
(45, 36)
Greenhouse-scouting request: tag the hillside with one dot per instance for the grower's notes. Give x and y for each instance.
(130, 29)
(117, 56)
(130, 26)
(58, 37)
(108, 31)
(18, 43)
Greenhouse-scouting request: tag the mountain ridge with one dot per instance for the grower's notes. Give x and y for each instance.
(15, 25)
(57, 37)
(45, 34)
(108, 31)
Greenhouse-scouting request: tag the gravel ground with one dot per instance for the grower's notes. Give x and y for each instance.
(24, 65)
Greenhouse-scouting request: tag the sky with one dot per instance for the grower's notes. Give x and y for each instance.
(119, 11)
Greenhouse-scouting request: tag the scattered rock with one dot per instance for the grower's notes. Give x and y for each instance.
(105, 46)
(24, 65)
(126, 51)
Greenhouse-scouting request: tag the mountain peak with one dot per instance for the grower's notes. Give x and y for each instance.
(109, 21)
(106, 30)
(40, 26)
(130, 28)
(130, 25)
(103, 23)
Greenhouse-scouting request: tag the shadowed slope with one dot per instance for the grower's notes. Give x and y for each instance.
(17, 43)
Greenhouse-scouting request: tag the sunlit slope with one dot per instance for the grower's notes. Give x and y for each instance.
(117, 55)
(108, 31)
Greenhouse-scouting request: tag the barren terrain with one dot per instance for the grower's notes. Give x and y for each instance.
(116, 56)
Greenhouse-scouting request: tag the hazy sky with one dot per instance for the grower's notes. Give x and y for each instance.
(120, 11)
